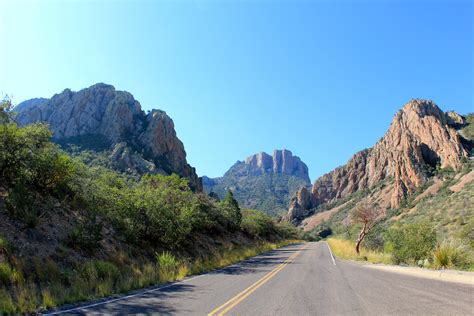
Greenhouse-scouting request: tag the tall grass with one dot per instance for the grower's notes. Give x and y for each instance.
(345, 249)
(168, 266)
(449, 254)
(49, 285)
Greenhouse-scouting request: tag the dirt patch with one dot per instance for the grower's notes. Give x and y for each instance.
(313, 221)
(431, 190)
(462, 182)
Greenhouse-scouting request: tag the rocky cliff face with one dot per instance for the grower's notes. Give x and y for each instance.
(265, 182)
(420, 138)
(136, 141)
(281, 162)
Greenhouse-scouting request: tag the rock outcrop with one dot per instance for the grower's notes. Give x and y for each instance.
(145, 143)
(282, 162)
(301, 202)
(265, 182)
(419, 140)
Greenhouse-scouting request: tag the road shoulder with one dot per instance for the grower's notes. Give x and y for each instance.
(463, 277)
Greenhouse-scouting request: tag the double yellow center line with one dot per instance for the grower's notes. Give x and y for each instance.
(227, 306)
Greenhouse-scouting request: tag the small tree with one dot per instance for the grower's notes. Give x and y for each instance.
(232, 210)
(367, 215)
(5, 108)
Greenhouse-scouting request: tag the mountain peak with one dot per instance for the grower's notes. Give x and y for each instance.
(281, 162)
(264, 182)
(137, 142)
(419, 140)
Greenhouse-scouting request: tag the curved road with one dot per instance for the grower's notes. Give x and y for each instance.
(297, 280)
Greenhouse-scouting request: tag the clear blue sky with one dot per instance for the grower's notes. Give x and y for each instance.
(321, 78)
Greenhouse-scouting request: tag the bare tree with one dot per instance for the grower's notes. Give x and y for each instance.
(346, 224)
(368, 215)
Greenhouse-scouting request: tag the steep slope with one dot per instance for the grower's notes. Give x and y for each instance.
(262, 182)
(420, 140)
(104, 120)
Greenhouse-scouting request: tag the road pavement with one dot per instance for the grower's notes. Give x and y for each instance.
(301, 279)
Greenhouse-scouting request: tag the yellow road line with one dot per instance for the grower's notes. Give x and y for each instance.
(227, 306)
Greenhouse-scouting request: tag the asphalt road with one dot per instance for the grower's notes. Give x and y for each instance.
(298, 280)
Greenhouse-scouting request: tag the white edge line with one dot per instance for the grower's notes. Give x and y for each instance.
(126, 297)
(148, 291)
(332, 257)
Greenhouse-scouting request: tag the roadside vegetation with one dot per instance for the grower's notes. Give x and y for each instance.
(70, 232)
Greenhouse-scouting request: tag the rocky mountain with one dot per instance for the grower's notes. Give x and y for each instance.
(105, 120)
(264, 182)
(421, 140)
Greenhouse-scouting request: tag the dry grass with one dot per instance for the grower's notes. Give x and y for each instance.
(345, 249)
(450, 255)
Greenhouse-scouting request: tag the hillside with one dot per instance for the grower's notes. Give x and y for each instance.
(262, 181)
(421, 172)
(107, 127)
(71, 232)
(421, 140)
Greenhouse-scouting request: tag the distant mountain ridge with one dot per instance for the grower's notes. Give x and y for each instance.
(107, 120)
(265, 182)
(421, 139)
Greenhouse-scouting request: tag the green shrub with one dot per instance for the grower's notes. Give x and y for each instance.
(410, 243)
(256, 223)
(106, 270)
(99, 270)
(286, 230)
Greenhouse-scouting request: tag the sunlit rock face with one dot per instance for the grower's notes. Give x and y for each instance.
(145, 143)
(420, 138)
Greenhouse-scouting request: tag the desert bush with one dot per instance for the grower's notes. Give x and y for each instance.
(5, 246)
(287, 231)
(375, 239)
(21, 204)
(6, 273)
(47, 270)
(99, 270)
(87, 234)
(410, 243)
(449, 254)
(7, 305)
(256, 223)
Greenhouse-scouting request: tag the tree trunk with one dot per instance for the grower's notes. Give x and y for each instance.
(362, 235)
(359, 240)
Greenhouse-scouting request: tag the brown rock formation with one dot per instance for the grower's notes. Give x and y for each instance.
(419, 139)
(282, 162)
(137, 141)
(301, 202)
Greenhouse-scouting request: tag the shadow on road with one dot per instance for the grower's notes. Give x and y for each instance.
(272, 259)
(148, 303)
(155, 302)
